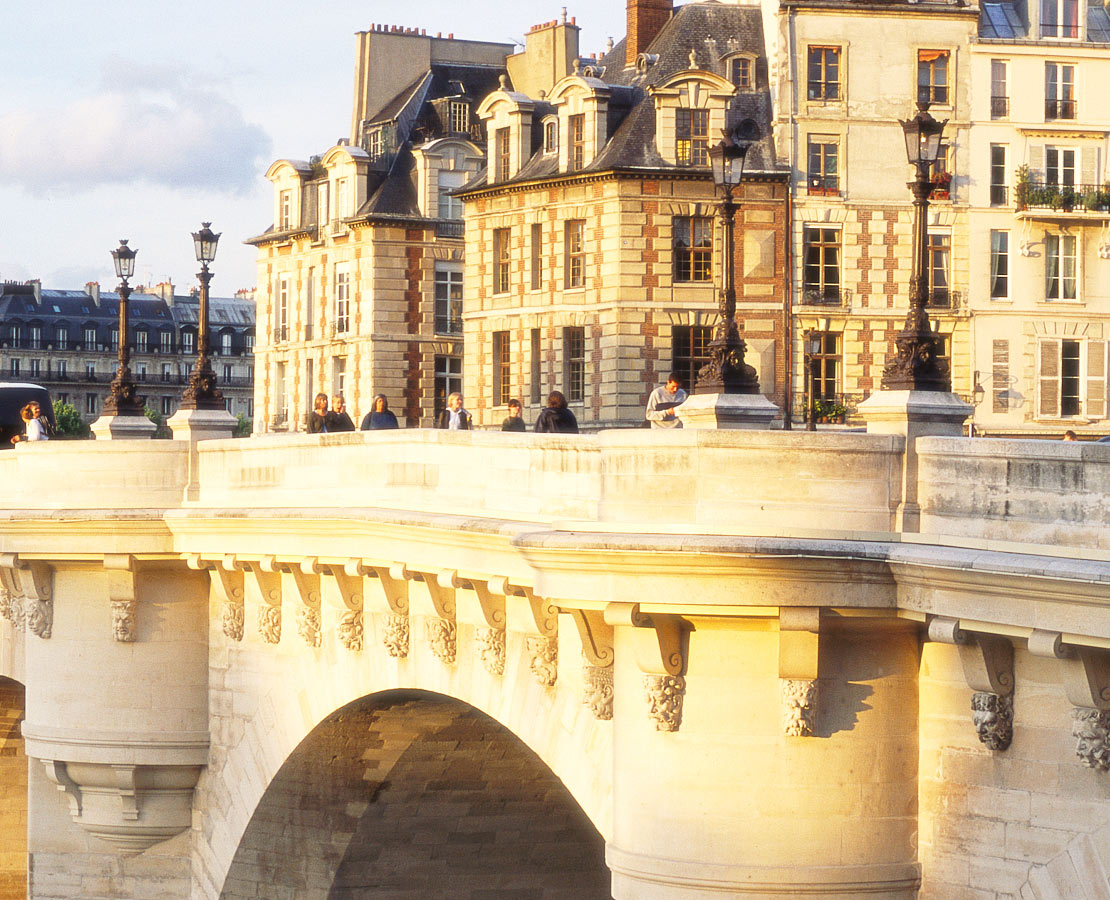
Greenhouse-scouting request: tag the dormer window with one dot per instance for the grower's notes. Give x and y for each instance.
(740, 72)
(576, 157)
(550, 135)
(322, 211)
(285, 217)
(459, 112)
(1060, 19)
(502, 149)
(375, 144)
(692, 137)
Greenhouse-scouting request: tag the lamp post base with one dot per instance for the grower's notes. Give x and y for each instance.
(202, 424)
(751, 412)
(913, 414)
(113, 427)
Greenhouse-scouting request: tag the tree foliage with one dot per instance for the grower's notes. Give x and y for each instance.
(68, 423)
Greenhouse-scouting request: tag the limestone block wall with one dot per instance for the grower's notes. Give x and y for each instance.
(1027, 823)
(13, 793)
(1041, 492)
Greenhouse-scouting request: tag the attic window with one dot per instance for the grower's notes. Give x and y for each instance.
(551, 135)
(459, 111)
(375, 144)
(740, 72)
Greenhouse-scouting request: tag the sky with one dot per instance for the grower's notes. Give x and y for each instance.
(140, 120)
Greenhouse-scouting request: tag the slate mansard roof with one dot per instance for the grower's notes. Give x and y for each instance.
(18, 305)
(1006, 21)
(714, 31)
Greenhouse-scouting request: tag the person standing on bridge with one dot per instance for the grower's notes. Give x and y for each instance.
(662, 402)
(338, 418)
(556, 419)
(454, 418)
(318, 418)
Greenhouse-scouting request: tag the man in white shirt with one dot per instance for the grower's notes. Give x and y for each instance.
(663, 400)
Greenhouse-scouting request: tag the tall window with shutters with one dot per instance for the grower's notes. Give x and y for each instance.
(1059, 267)
(1071, 378)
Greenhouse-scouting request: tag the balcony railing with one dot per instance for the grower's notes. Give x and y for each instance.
(827, 296)
(943, 298)
(1059, 109)
(823, 186)
(1000, 107)
(1080, 198)
(450, 228)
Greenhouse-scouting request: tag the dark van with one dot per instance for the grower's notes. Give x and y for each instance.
(14, 396)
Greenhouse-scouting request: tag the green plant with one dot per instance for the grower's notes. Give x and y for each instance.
(243, 426)
(1068, 198)
(68, 424)
(163, 432)
(1022, 186)
(829, 409)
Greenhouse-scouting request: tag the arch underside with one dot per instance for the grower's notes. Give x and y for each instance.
(13, 792)
(409, 794)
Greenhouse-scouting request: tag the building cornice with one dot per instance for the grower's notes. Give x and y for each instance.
(614, 174)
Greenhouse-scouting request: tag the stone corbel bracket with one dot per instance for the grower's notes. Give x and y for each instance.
(596, 636)
(442, 631)
(988, 664)
(266, 574)
(659, 647)
(29, 591)
(306, 576)
(394, 583)
(542, 644)
(350, 584)
(799, 646)
(227, 579)
(1087, 684)
(123, 595)
(491, 639)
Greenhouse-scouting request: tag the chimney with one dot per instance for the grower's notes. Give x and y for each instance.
(92, 288)
(646, 19)
(36, 284)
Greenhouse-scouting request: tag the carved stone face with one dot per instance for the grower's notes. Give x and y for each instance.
(1091, 729)
(598, 691)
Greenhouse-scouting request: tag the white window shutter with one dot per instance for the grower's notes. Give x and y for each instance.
(1096, 379)
(1089, 166)
(1036, 162)
(1048, 379)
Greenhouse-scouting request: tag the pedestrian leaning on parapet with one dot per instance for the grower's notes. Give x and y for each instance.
(318, 418)
(662, 402)
(556, 419)
(33, 429)
(514, 421)
(455, 417)
(380, 416)
(338, 418)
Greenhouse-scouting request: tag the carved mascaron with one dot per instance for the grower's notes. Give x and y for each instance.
(799, 706)
(993, 716)
(1091, 728)
(598, 690)
(664, 696)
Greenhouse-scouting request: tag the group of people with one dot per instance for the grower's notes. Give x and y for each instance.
(36, 426)
(329, 421)
(555, 418)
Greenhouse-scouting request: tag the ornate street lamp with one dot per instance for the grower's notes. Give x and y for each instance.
(726, 372)
(915, 366)
(811, 346)
(201, 392)
(122, 400)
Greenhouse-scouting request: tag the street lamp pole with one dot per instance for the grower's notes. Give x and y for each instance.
(726, 372)
(810, 348)
(201, 392)
(915, 366)
(122, 400)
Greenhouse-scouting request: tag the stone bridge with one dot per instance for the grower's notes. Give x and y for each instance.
(637, 664)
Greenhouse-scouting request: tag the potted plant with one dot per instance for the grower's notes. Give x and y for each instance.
(829, 410)
(1022, 186)
(942, 182)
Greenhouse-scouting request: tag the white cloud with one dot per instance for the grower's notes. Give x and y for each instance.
(147, 123)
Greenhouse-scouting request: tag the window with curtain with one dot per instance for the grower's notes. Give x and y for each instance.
(932, 76)
(1000, 265)
(1059, 266)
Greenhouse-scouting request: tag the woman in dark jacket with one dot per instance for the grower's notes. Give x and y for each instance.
(557, 419)
(379, 416)
(318, 418)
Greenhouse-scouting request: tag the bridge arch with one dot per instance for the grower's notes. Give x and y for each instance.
(13, 791)
(414, 794)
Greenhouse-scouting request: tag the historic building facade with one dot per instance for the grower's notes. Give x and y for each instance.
(593, 246)
(360, 276)
(1040, 220)
(843, 75)
(68, 341)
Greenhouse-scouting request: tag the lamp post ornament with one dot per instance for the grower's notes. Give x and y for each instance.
(726, 372)
(915, 366)
(122, 400)
(201, 392)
